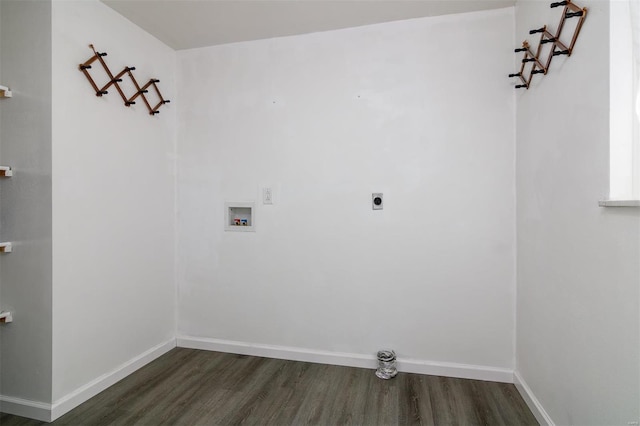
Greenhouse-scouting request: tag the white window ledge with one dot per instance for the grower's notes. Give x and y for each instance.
(619, 203)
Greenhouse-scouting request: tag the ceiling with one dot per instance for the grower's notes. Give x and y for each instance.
(186, 24)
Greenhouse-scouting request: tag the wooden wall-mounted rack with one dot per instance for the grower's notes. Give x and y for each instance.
(114, 80)
(538, 64)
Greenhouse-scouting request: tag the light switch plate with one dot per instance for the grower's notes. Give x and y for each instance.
(267, 195)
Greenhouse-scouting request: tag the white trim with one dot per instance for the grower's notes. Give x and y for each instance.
(25, 408)
(279, 352)
(347, 359)
(619, 203)
(84, 393)
(532, 402)
(461, 371)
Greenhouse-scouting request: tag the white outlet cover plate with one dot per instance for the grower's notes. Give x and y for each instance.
(373, 204)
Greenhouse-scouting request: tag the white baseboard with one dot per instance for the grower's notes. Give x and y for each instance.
(49, 412)
(279, 352)
(77, 397)
(25, 408)
(347, 359)
(532, 402)
(462, 371)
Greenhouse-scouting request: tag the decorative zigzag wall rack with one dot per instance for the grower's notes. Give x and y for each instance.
(558, 47)
(114, 80)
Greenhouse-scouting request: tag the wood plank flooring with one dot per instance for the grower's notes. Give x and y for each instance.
(192, 387)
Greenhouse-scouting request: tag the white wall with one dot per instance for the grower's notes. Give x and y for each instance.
(578, 264)
(25, 278)
(418, 110)
(113, 200)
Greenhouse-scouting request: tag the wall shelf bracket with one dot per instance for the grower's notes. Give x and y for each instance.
(6, 316)
(5, 171)
(5, 92)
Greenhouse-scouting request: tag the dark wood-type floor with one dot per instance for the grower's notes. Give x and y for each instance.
(191, 387)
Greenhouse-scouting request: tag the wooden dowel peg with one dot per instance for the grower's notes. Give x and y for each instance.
(559, 3)
(525, 60)
(547, 40)
(515, 75)
(561, 52)
(537, 72)
(520, 86)
(539, 30)
(521, 49)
